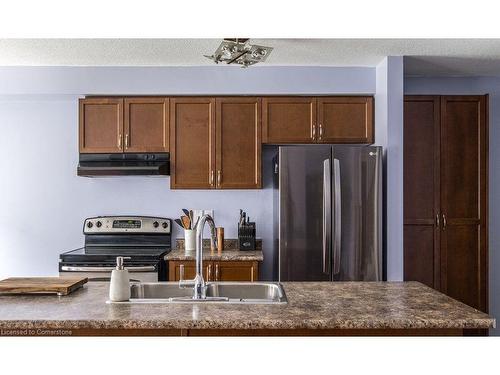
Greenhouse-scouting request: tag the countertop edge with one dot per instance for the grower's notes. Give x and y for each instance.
(246, 325)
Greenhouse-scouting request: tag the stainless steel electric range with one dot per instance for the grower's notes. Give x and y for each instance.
(143, 241)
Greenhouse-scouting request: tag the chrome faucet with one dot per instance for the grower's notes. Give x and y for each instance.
(198, 283)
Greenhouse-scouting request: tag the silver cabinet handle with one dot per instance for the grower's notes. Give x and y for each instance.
(313, 135)
(444, 221)
(211, 178)
(126, 141)
(320, 132)
(209, 276)
(337, 217)
(437, 221)
(106, 269)
(119, 141)
(327, 215)
(216, 272)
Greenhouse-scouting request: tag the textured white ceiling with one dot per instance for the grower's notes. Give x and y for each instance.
(425, 56)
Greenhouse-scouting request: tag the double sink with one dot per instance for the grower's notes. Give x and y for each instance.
(217, 292)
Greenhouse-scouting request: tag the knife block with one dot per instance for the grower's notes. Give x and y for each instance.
(246, 236)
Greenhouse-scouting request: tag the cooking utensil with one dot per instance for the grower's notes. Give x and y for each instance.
(186, 211)
(186, 222)
(179, 222)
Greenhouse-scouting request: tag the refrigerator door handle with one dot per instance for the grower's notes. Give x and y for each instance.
(337, 225)
(327, 215)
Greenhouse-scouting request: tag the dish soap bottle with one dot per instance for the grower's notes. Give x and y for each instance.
(119, 287)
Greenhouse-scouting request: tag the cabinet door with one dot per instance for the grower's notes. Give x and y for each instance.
(289, 120)
(238, 143)
(146, 125)
(236, 271)
(101, 125)
(421, 189)
(174, 270)
(192, 146)
(345, 120)
(464, 199)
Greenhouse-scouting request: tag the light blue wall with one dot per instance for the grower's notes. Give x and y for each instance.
(477, 86)
(43, 202)
(389, 134)
(222, 80)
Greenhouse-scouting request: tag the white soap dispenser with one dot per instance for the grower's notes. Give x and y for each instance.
(119, 287)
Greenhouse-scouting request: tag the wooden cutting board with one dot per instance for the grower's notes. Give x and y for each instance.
(28, 285)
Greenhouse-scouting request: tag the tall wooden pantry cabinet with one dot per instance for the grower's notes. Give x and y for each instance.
(446, 195)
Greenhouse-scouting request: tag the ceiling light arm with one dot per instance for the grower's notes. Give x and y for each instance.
(237, 57)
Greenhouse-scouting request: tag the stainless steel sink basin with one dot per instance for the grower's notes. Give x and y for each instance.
(218, 292)
(248, 292)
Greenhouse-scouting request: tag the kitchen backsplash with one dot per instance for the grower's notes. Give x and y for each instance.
(229, 244)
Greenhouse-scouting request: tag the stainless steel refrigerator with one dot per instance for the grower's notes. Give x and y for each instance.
(328, 213)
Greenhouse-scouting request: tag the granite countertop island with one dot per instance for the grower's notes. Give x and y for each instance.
(319, 308)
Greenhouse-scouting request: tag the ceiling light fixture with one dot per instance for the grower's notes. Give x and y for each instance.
(239, 51)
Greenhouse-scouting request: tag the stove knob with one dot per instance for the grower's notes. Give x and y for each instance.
(99, 224)
(164, 224)
(89, 224)
(155, 224)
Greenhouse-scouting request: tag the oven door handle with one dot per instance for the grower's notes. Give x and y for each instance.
(106, 269)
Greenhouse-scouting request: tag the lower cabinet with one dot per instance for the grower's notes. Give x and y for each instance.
(215, 270)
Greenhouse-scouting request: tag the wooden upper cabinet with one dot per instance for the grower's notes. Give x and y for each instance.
(238, 143)
(146, 125)
(345, 120)
(192, 146)
(288, 120)
(337, 119)
(101, 125)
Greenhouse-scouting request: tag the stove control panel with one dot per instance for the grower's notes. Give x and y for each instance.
(126, 224)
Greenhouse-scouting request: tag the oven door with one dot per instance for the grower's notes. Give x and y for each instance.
(98, 273)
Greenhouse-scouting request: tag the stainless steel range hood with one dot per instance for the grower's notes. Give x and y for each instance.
(140, 164)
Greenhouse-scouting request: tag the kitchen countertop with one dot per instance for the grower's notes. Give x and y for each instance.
(313, 305)
(228, 255)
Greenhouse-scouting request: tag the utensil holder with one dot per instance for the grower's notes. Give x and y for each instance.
(189, 240)
(246, 236)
